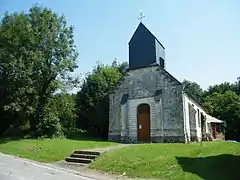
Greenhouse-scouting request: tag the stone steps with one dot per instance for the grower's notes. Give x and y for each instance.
(83, 157)
(87, 152)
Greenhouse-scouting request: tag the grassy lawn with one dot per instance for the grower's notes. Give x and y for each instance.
(47, 150)
(214, 160)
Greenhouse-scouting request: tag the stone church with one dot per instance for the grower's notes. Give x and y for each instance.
(150, 105)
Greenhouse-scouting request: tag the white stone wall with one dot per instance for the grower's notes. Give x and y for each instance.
(186, 118)
(187, 100)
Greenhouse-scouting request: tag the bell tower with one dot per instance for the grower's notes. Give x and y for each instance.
(145, 49)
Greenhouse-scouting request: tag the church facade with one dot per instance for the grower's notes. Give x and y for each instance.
(149, 104)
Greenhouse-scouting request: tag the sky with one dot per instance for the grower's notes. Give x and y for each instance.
(201, 38)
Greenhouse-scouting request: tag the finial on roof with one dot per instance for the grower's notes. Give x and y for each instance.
(141, 16)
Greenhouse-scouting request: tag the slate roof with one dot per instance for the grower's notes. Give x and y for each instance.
(141, 25)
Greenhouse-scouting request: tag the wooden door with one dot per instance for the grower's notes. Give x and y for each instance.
(143, 125)
(213, 130)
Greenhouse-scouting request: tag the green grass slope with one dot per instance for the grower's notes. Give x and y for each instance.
(214, 160)
(47, 150)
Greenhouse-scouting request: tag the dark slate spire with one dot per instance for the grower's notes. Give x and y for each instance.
(145, 49)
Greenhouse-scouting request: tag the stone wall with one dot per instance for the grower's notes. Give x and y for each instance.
(192, 118)
(155, 86)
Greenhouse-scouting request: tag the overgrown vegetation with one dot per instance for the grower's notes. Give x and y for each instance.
(213, 160)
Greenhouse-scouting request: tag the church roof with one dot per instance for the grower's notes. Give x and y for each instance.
(140, 26)
(213, 119)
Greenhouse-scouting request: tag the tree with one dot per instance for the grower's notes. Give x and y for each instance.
(37, 52)
(222, 88)
(194, 89)
(237, 85)
(122, 67)
(60, 118)
(92, 99)
(226, 107)
(65, 105)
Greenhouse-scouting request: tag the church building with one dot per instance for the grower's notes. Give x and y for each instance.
(150, 105)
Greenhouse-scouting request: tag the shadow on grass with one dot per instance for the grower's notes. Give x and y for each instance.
(4, 140)
(81, 136)
(221, 167)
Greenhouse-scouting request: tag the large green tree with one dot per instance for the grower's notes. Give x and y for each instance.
(222, 88)
(92, 99)
(37, 52)
(194, 89)
(226, 106)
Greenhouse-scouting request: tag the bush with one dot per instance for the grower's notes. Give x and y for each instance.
(50, 125)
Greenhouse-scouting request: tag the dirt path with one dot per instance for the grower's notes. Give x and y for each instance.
(111, 148)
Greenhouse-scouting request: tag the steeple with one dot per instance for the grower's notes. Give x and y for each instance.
(145, 49)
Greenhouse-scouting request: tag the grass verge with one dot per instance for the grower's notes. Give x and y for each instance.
(47, 150)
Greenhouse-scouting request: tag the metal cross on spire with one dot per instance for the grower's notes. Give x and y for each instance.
(141, 16)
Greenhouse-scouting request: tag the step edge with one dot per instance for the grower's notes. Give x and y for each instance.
(90, 155)
(85, 156)
(87, 151)
(79, 158)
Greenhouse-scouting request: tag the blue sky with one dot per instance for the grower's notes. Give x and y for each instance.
(202, 38)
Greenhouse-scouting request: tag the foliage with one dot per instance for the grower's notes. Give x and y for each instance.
(174, 161)
(194, 89)
(37, 52)
(65, 107)
(222, 88)
(226, 107)
(238, 85)
(48, 150)
(92, 99)
(221, 101)
(50, 125)
(122, 67)
(59, 116)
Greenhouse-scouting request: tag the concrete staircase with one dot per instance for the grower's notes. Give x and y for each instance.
(83, 157)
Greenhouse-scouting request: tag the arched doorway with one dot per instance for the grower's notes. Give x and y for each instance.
(143, 122)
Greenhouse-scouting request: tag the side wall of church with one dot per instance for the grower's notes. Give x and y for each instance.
(192, 114)
(156, 87)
